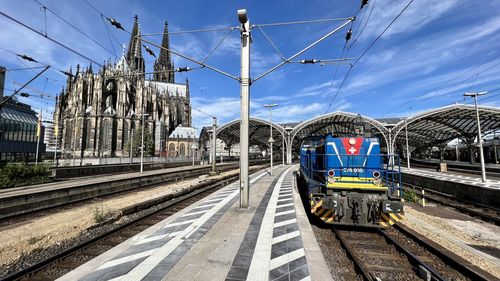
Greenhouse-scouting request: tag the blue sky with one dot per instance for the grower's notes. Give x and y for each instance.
(416, 65)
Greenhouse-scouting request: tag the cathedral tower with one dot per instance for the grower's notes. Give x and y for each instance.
(134, 53)
(164, 67)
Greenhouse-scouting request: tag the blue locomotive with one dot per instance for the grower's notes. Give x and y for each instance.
(347, 182)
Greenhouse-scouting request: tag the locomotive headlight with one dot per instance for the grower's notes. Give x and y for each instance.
(331, 176)
(376, 174)
(377, 181)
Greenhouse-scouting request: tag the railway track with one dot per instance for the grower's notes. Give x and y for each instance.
(57, 265)
(485, 213)
(396, 254)
(29, 203)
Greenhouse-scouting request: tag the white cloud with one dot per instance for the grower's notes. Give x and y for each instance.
(418, 14)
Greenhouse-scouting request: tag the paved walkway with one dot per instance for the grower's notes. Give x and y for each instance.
(215, 240)
(474, 180)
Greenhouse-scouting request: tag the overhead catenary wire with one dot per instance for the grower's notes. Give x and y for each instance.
(74, 27)
(217, 46)
(49, 38)
(190, 31)
(366, 50)
(272, 43)
(364, 25)
(475, 75)
(300, 22)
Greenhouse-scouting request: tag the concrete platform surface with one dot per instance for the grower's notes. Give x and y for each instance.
(474, 180)
(215, 240)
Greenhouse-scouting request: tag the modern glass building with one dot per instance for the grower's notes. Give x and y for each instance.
(18, 138)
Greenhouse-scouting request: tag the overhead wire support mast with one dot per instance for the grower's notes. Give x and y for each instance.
(245, 83)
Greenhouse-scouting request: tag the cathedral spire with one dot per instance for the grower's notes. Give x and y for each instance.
(134, 53)
(163, 65)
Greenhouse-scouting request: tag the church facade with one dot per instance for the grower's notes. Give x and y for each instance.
(97, 113)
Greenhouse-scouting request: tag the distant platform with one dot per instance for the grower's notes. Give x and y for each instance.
(215, 240)
(461, 186)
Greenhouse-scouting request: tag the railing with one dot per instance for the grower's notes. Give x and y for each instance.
(390, 175)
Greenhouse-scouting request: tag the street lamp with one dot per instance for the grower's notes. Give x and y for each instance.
(271, 140)
(479, 139)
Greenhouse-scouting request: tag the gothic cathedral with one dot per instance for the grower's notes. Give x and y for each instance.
(97, 113)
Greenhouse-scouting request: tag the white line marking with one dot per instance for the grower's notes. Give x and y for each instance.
(194, 213)
(179, 223)
(287, 222)
(285, 237)
(284, 199)
(286, 258)
(284, 205)
(112, 263)
(284, 213)
(203, 206)
(259, 267)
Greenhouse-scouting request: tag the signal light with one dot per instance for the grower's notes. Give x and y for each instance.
(376, 174)
(331, 173)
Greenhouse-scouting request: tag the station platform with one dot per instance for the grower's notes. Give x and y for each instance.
(215, 240)
(459, 185)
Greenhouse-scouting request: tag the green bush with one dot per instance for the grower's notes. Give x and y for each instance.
(19, 174)
(410, 196)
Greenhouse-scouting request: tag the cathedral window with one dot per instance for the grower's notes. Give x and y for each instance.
(182, 149)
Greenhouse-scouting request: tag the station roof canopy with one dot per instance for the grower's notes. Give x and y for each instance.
(425, 130)
(441, 125)
(258, 131)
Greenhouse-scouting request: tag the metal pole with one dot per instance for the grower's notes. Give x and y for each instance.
(271, 137)
(192, 149)
(407, 146)
(245, 100)
(283, 150)
(131, 141)
(142, 135)
(480, 141)
(55, 150)
(214, 144)
(38, 133)
(495, 146)
(74, 139)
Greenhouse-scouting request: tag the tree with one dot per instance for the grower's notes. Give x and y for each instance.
(148, 144)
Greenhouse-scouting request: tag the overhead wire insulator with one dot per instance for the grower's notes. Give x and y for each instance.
(348, 35)
(149, 50)
(25, 57)
(311, 61)
(363, 3)
(25, 95)
(183, 69)
(115, 23)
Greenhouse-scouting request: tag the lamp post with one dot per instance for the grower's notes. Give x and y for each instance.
(271, 140)
(479, 139)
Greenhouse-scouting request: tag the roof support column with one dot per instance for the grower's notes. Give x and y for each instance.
(288, 142)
